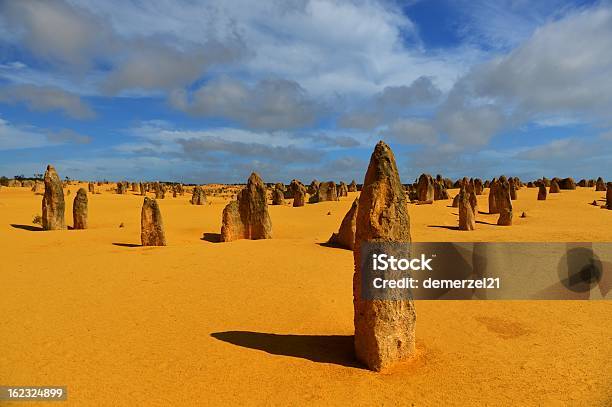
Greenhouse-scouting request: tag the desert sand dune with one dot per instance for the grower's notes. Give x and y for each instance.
(271, 321)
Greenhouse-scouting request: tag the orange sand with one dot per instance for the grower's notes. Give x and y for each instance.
(270, 322)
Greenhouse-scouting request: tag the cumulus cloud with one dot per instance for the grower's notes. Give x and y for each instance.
(411, 131)
(390, 103)
(420, 92)
(73, 37)
(201, 148)
(57, 31)
(14, 137)
(46, 98)
(271, 104)
(68, 136)
(563, 69)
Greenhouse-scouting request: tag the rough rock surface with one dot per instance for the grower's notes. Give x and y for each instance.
(456, 200)
(513, 188)
(313, 187)
(38, 187)
(440, 192)
(278, 196)
(503, 202)
(151, 224)
(198, 197)
(247, 217)
(352, 187)
(79, 210)
(470, 189)
(345, 237)
(384, 330)
(609, 196)
(298, 191)
(567, 183)
(492, 196)
(467, 219)
(425, 188)
(478, 187)
(342, 189)
(327, 192)
(554, 187)
(542, 192)
(53, 205)
(600, 185)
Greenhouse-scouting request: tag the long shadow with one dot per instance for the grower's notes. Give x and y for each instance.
(444, 227)
(336, 349)
(27, 227)
(127, 244)
(486, 223)
(212, 237)
(332, 245)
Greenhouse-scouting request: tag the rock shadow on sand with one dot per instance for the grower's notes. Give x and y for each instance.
(27, 227)
(444, 227)
(211, 237)
(127, 244)
(336, 349)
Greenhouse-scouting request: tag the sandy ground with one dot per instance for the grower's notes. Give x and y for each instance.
(270, 322)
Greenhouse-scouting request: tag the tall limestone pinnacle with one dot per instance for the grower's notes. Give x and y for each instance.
(247, 217)
(384, 329)
(53, 205)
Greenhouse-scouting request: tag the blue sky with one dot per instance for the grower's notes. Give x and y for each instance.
(208, 91)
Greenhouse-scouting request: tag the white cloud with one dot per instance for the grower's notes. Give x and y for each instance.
(45, 98)
(411, 131)
(268, 105)
(564, 67)
(14, 138)
(68, 136)
(73, 38)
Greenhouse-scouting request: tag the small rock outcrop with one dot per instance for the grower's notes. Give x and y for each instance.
(327, 192)
(492, 196)
(440, 192)
(151, 224)
(600, 185)
(467, 219)
(298, 191)
(503, 202)
(352, 187)
(554, 187)
(345, 237)
(542, 192)
(456, 200)
(478, 187)
(247, 217)
(79, 210)
(425, 188)
(38, 187)
(53, 205)
(342, 189)
(567, 183)
(278, 196)
(198, 197)
(313, 187)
